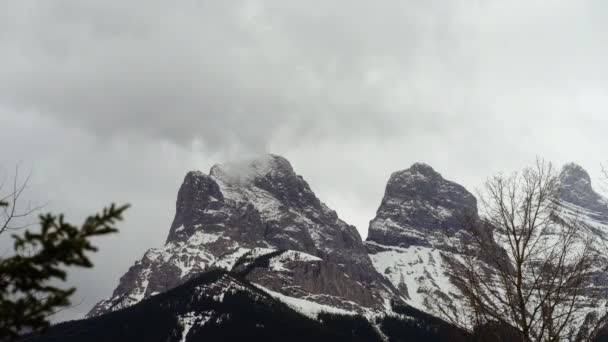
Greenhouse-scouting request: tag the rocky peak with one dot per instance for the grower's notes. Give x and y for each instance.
(258, 199)
(420, 218)
(197, 193)
(575, 176)
(259, 204)
(407, 183)
(271, 173)
(247, 171)
(576, 189)
(419, 202)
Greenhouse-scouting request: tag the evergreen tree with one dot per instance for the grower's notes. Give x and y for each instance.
(28, 294)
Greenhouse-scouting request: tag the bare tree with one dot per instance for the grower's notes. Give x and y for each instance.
(14, 214)
(525, 271)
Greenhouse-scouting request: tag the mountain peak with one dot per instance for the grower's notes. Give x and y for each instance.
(418, 172)
(259, 203)
(419, 202)
(573, 174)
(411, 178)
(576, 189)
(244, 172)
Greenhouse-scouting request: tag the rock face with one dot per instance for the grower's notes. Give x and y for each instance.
(419, 206)
(263, 223)
(582, 203)
(579, 199)
(420, 218)
(576, 190)
(258, 209)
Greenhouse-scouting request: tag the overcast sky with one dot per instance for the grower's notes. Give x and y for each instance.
(117, 100)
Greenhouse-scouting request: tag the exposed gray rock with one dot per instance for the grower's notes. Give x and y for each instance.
(300, 275)
(420, 220)
(419, 206)
(252, 206)
(581, 202)
(263, 221)
(576, 189)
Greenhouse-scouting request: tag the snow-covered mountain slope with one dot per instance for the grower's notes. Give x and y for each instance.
(577, 191)
(244, 210)
(260, 226)
(222, 306)
(419, 219)
(580, 202)
(214, 306)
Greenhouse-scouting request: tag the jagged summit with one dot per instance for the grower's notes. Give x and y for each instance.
(260, 221)
(418, 172)
(272, 174)
(573, 174)
(250, 208)
(244, 172)
(420, 215)
(419, 201)
(423, 182)
(576, 189)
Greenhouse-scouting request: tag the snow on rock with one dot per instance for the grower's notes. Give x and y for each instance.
(581, 204)
(191, 319)
(576, 189)
(218, 289)
(419, 208)
(306, 307)
(277, 263)
(228, 260)
(245, 210)
(417, 223)
(316, 262)
(415, 271)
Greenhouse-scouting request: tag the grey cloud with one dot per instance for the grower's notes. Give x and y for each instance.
(221, 73)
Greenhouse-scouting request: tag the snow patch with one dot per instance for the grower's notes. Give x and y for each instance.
(303, 306)
(201, 238)
(190, 319)
(419, 268)
(277, 263)
(227, 261)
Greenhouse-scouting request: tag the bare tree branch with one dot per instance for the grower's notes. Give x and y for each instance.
(527, 267)
(12, 213)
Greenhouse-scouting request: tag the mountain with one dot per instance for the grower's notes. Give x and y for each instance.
(253, 253)
(419, 208)
(582, 203)
(577, 192)
(419, 219)
(218, 305)
(243, 210)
